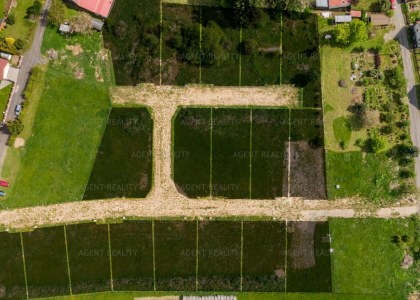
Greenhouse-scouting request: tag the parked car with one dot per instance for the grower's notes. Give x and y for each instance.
(18, 109)
(2, 194)
(4, 183)
(6, 55)
(393, 4)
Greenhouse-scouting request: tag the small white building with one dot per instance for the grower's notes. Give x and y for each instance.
(343, 19)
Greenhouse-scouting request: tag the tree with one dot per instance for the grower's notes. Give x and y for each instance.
(384, 5)
(212, 44)
(19, 44)
(11, 19)
(249, 46)
(15, 127)
(10, 41)
(358, 31)
(376, 142)
(82, 23)
(57, 12)
(291, 5)
(34, 10)
(342, 34)
(245, 12)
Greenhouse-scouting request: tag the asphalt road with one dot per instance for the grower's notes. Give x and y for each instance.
(411, 87)
(30, 59)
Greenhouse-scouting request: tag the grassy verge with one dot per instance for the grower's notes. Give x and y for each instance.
(365, 261)
(4, 97)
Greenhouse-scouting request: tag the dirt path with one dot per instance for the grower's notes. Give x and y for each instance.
(164, 201)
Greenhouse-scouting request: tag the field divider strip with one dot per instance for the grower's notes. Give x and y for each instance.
(24, 265)
(110, 257)
(281, 46)
(160, 42)
(201, 39)
(67, 259)
(242, 253)
(240, 56)
(285, 260)
(250, 154)
(289, 157)
(211, 152)
(153, 253)
(196, 256)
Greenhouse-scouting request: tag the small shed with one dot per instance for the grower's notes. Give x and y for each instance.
(416, 31)
(343, 19)
(97, 24)
(356, 13)
(338, 4)
(65, 28)
(379, 20)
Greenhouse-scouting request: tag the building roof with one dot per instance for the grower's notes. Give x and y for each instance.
(339, 3)
(356, 13)
(322, 3)
(343, 19)
(65, 28)
(97, 24)
(379, 20)
(3, 65)
(98, 7)
(416, 29)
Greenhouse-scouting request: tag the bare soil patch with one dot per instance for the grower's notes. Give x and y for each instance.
(301, 251)
(75, 49)
(19, 142)
(306, 171)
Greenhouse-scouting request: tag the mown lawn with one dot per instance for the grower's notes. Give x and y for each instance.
(56, 161)
(366, 261)
(4, 97)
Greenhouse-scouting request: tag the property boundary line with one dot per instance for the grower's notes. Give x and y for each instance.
(153, 253)
(24, 265)
(250, 153)
(67, 259)
(281, 46)
(201, 40)
(285, 260)
(110, 258)
(289, 157)
(240, 56)
(196, 256)
(242, 252)
(161, 42)
(211, 152)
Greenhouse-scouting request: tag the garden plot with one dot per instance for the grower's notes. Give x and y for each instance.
(123, 166)
(12, 276)
(301, 60)
(133, 36)
(175, 255)
(267, 241)
(89, 257)
(192, 152)
(219, 256)
(46, 262)
(308, 257)
(132, 256)
(307, 167)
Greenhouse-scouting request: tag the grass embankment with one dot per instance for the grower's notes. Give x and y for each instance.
(55, 164)
(354, 168)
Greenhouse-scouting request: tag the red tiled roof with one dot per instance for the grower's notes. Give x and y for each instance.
(339, 3)
(3, 64)
(98, 7)
(356, 13)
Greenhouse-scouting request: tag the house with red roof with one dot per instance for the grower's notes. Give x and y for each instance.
(4, 68)
(98, 7)
(332, 4)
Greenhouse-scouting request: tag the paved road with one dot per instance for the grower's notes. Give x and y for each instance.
(30, 59)
(411, 87)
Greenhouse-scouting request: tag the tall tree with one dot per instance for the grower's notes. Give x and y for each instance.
(57, 11)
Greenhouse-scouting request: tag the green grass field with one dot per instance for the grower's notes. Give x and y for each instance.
(123, 166)
(175, 255)
(132, 256)
(366, 261)
(4, 96)
(219, 256)
(264, 240)
(225, 157)
(89, 257)
(46, 266)
(308, 257)
(55, 164)
(191, 148)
